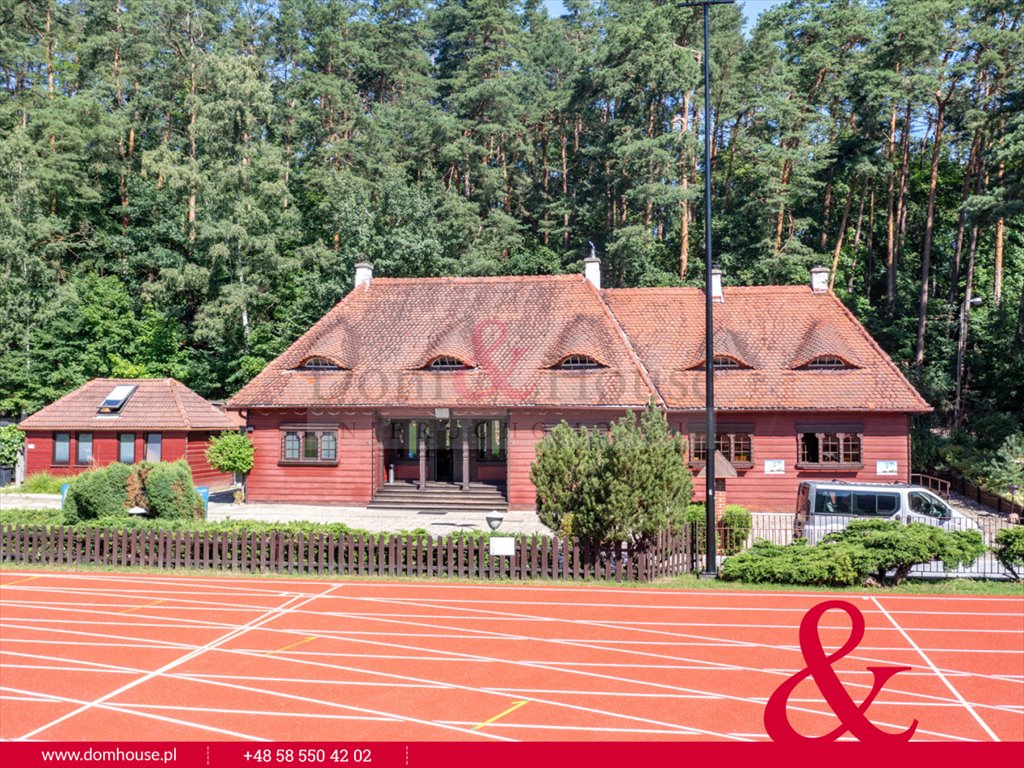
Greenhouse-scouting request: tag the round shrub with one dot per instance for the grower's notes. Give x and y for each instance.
(169, 491)
(99, 492)
(730, 532)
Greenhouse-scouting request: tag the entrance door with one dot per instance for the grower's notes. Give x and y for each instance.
(442, 454)
(445, 463)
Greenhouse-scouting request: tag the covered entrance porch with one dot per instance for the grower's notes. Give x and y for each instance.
(444, 454)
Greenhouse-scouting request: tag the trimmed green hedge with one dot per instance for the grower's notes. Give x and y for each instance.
(163, 489)
(99, 492)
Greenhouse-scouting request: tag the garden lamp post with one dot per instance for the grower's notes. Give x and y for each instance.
(710, 562)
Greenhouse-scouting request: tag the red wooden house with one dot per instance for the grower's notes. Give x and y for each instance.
(126, 420)
(413, 387)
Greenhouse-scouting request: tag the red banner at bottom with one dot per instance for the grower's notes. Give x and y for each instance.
(518, 755)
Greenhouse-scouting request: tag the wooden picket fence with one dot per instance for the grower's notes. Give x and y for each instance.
(323, 554)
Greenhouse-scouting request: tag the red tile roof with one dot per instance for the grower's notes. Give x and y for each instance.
(509, 330)
(772, 329)
(512, 330)
(156, 404)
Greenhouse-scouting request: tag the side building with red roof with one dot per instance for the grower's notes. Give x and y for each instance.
(418, 388)
(126, 420)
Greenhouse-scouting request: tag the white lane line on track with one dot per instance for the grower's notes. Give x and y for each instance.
(191, 582)
(265, 713)
(283, 609)
(365, 616)
(519, 638)
(741, 644)
(583, 673)
(262, 654)
(123, 711)
(941, 676)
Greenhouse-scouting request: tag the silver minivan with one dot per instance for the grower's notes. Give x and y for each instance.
(824, 507)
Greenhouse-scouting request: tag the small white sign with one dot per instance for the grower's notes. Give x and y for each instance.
(885, 468)
(31, 446)
(503, 545)
(775, 466)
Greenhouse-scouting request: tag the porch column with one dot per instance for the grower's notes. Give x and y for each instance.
(421, 449)
(464, 435)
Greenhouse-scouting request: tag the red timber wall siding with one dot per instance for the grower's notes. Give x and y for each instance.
(349, 482)
(202, 472)
(886, 437)
(525, 429)
(39, 452)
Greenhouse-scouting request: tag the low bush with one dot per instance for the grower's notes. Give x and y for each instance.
(169, 492)
(40, 482)
(731, 531)
(99, 492)
(1009, 549)
(31, 517)
(883, 551)
(764, 562)
(889, 545)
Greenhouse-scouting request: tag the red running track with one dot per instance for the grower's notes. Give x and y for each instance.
(122, 656)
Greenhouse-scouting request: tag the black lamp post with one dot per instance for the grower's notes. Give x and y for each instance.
(710, 564)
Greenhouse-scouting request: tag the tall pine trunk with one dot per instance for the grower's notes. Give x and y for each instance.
(842, 231)
(929, 226)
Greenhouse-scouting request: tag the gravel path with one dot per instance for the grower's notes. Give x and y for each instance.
(383, 520)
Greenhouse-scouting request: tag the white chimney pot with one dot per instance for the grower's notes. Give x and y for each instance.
(364, 273)
(716, 285)
(592, 271)
(819, 280)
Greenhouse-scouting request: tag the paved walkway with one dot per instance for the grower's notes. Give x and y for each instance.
(222, 508)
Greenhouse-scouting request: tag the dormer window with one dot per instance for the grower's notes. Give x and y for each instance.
(447, 364)
(578, 363)
(726, 363)
(827, 362)
(319, 364)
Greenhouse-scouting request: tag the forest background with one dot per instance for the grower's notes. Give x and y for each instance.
(186, 185)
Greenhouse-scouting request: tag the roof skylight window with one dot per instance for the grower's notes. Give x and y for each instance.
(114, 402)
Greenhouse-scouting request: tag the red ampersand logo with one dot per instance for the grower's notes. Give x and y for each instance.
(819, 666)
(499, 378)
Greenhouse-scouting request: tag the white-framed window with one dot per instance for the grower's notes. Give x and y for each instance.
(126, 447)
(309, 446)
(61, 448)
(83, 448)
(154, 446)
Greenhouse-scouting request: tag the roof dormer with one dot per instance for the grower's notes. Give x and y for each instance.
(724, 363)
(577, 362)
(319, 363)
(826, 363)
(446, 363)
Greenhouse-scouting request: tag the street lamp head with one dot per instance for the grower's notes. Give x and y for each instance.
(494, 519)
(977, 301)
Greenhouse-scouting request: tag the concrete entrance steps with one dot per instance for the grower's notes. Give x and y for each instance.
(440, 497)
